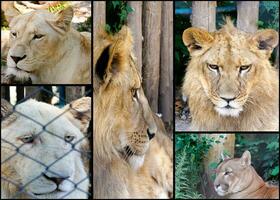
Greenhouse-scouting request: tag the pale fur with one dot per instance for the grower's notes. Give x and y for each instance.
(45, 150)
(62, 56)
(256, 105)
(123, 120)
(237, 179)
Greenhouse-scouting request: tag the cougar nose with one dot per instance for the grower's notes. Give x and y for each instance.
(17, 59)
(150, 135)
(56, 180)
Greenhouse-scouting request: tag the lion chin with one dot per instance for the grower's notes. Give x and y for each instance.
(228, 112)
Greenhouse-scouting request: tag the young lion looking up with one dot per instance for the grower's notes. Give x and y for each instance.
(46, 49)
(230, 83)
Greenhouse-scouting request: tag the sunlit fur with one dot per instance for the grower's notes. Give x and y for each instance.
(49, 146)
(237, 179)
(255, 90)
(62, 55)
(122, 119)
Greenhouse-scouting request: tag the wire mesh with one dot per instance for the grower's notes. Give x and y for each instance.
(56, 178)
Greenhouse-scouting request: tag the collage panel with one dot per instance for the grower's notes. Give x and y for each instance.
(133, 98)
(46, 43)
(227, 166)
(226, 74)
(46, 142)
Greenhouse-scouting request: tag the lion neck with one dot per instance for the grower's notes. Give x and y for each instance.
(255, 186)
(65, 65)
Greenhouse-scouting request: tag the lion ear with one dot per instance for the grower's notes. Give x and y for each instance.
(79, 113)
(266, 39)
(115, 56)
(246, 158)
(195, 39)
(10, 10)
(6, 109)
(63, 19)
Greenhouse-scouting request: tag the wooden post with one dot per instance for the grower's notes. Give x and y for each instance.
(99, 15)
(204, 15)
(247, 15)
(226, 144)
(166, 63)
(151, 51)
(19, 93)
(135, 24)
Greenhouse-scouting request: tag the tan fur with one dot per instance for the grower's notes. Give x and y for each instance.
(255, 91)
(62, 55)
(237, 179)
(124, 117)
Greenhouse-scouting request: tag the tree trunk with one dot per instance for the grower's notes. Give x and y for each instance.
(99, 16)
(166, 63)
(247, 15)
(135, 24)
(226, 144)
(204, 15)
(151, 53)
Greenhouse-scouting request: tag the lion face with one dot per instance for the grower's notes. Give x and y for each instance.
(34, 36)
(125, 119)
(233, 175)
(43, 155)
(227, 64)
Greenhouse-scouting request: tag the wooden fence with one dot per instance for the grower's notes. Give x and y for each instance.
(151, 24)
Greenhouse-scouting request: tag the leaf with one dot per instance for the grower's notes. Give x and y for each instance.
(115, 4)
(275, 171)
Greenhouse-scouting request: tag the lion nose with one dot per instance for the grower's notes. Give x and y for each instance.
(56, 180)
(228, 99)
(150, 135)
(17, 59)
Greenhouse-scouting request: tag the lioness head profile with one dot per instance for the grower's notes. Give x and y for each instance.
(230, 82)
(124, 119)
(46, 49)
(237, 179)
(41, 152)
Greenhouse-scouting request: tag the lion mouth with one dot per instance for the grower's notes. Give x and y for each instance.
(22, 70)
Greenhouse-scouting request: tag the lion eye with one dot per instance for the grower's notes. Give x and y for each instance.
(37, 36)
(213, 67)
(244, 68)
(27, 138)
(134, 93)
(14, 34)
(69, 138)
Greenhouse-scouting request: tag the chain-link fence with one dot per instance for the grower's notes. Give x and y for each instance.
(45, 149)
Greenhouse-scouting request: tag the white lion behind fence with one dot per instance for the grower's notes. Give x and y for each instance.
(41, 152)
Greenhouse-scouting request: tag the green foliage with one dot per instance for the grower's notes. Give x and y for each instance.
(269, 15)
(85, 26)
(190, 151)
(265, 153)
(116, 15)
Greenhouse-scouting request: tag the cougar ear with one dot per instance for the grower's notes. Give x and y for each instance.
(79, 113)
(246, 158)
(196, 39)
(224, 156)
